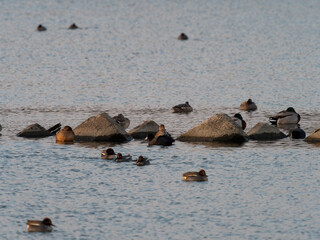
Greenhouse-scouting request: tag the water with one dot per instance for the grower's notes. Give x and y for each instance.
(126, 59)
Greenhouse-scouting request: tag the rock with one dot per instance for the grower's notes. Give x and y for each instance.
(34, 131)
(264, 131)
(101, 128)
(141, 131)
(297, 133)
(314, 137)
(220, 127)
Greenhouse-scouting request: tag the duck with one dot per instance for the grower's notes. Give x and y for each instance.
(41, 28)
(0, 128)
(288, 116)
(182, 108)
(248, 105)
(239, 121)
(195, 176)
(73, 26)
(108, 154)
(183, 37)
(164, 140)
(65, 135)
(120, 158)
(122, 121)
(297, 133)
(141, 161)
(40, 226)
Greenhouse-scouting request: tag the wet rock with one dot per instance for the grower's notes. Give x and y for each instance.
(37, 131)
(220, 127)
(297, 133)
(101, 128)
(141, 131)
(314, 137)
(265, 132)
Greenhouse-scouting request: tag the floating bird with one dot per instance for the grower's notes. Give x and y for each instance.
(182, 108)
(141, 161)
(195, 176)
(183, 36)
(288, 116)
(41, 28)
(239, 121)
(73, 26)
(40, 226)
(108, 154)
(65, 135)
(248, 105)
(121, 158)
(122, 121)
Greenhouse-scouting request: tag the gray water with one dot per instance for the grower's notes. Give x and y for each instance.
(126, 59)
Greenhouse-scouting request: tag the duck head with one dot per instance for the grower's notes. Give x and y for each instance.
(249, 101)
(202, 172)
(119, 156)
(290, 109)
(47, 222)
(110, 151)
(67, 128)
(238, 115)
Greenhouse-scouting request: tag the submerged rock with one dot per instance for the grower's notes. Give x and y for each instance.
(265, 132)
(314, 137)
(220, 127)
(141, 131)
(101, 128)
(37, 131)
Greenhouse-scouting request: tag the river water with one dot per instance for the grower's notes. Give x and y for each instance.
(126, 59)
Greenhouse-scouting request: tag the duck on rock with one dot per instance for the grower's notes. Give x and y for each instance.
(239, 121)
(122, 121)
(65, 135)
(162, 137)
(288, 116)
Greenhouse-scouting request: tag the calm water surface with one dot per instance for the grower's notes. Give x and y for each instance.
(126, 59)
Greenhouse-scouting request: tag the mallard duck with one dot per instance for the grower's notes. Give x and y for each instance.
(122, 121)
(288, 116)
(40, 226)
(248, 105)
(126, 158)
(73, 26)
(108, 154)
(182, 108)
(297, 133)
(239, 121)
(41, 28)
(183, 36)
(195, 176)
(65, 135)
(141, 161)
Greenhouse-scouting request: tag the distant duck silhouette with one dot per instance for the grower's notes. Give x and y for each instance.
(0, 128)
(65, 135)
(195, 176)
(183, 36)
(182, 108)
(108, 154)
(41, 28)
(239, 121)
(121, 158)
(248, 105)
(297, 133)
(122, 121)
(40, 226)
(288, 116)
(141, 161)
(73, 26)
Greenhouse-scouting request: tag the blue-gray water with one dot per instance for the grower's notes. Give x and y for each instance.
(126, 59)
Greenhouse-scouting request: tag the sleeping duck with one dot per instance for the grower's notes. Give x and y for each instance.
(122, 121)
(182, 108)
(65, 135)
(40, 226)
(126, 158)
(248, 105)
(288, 116)
(141, 161)
(239, 121)
(195, 176)
(108, 154)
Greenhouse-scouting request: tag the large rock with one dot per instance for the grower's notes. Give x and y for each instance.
(314, 137)
(141, 131)
(220, 127)
(37, 131)
(101, 128)
(265, 131)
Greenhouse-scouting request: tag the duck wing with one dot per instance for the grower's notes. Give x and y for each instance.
(34, 222)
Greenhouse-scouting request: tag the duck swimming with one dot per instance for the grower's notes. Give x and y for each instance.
(195, 176)
(182, 108)
(41, 28)
(183, 37)
(248, 105)
(39, 226)
(73, 26)
(141, 161)
(120, 158)
(65, 135)
(239, 121)
(108, 154)
(122, 121)
(288, 116)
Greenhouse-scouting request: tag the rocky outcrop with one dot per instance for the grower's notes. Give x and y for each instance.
(101, 128)
(314, 137)
(37, 131)
(265, 132)
(141, 131)
(220, 127)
